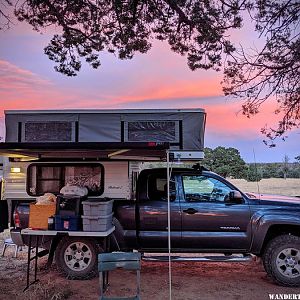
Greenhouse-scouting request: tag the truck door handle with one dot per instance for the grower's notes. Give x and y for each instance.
(190, 211)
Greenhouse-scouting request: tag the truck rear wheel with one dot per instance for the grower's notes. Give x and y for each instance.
(76, 257)
(282, 260)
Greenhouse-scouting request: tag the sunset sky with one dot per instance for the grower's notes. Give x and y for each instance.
(158, 79)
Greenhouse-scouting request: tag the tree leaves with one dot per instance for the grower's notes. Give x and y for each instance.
(124, 27)
(272, 72)
(225, 161)
(197, 29)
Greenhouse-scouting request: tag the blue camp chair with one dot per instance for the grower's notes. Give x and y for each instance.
(118, 260)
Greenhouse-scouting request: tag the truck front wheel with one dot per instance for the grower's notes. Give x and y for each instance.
(282, 260)
(76, 257)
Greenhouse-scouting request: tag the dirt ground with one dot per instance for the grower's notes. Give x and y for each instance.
(190, 281)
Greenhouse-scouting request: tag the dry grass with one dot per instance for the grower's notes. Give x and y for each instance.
(48, 290)
(280, 186)
(13, 278)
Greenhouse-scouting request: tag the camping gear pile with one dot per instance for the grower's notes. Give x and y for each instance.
(71, 210)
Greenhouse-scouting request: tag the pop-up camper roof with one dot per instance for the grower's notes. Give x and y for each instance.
(103, 134)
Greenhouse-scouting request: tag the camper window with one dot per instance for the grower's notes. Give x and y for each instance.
(50, 131)
(158, 131)
(50, 178)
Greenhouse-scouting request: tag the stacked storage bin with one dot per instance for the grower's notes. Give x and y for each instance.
(97, 214)
(68, 211)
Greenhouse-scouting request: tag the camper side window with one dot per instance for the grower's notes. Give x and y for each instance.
(50, 178)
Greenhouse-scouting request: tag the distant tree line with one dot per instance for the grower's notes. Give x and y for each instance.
(228, 163)
(273, 170)
(225, 161)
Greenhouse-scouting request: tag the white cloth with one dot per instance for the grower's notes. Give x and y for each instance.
(74, 190)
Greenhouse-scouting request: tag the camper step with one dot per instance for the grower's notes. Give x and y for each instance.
(217, 258)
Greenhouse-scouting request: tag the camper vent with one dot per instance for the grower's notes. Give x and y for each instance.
(55, 131)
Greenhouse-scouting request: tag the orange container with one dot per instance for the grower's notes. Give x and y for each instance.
(39, 214)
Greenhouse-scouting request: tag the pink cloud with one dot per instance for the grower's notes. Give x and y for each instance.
(13, 77)
(22, 89)
(228, 119)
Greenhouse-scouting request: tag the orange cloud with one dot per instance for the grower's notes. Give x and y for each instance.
(177, 89)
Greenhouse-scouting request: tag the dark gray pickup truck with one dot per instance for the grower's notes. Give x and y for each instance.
(208, 215)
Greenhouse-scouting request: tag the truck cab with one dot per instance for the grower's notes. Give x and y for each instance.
(207, 213)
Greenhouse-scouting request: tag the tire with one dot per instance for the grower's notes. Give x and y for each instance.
(77, 257)
(281, 260)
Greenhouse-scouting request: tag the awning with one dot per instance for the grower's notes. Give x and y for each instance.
(85, 150)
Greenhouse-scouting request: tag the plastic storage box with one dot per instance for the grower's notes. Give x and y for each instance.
(68, 223)
(68, 205)
(95, 223)
(97, 207)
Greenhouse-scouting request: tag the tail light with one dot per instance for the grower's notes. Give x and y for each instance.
(17, 218)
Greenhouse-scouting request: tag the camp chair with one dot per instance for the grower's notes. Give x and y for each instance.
(9, 242)
(118, 260)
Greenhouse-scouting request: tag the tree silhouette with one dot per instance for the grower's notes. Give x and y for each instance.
(272, 72)
(196, 29)
(5, 18)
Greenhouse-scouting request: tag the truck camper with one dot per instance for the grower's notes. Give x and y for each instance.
(74, 184)
(119, 139)
(101, 150)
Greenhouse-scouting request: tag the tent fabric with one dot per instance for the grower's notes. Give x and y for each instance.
(93, 150)
(183, 129)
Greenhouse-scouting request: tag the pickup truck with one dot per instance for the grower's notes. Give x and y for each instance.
(208, 215)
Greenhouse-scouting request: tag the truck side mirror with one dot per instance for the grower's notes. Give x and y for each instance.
(234, 197)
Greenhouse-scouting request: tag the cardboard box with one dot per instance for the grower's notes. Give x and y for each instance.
(39, 214)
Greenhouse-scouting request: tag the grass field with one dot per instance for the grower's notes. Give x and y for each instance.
(280, 186)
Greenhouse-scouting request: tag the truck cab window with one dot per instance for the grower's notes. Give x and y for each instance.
(204, 189)
(158, 189)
